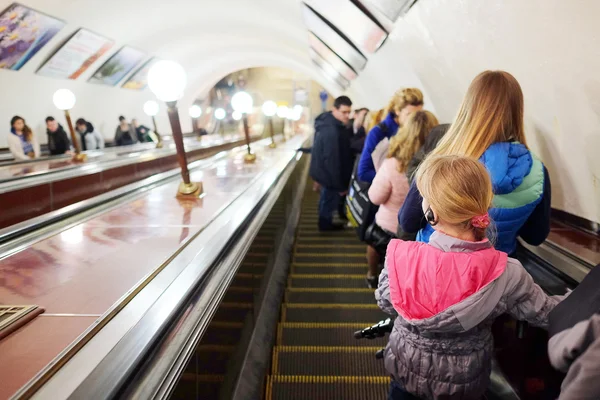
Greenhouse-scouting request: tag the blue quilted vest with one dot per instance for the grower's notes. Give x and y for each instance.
(518, 184)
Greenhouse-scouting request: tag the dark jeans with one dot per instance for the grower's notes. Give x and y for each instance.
(328, 204)
(397, 392)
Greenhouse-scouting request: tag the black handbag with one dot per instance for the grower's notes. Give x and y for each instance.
(359, 209)
(378, 238)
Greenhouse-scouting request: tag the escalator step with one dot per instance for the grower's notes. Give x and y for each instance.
(192, 386)
(324, 247)
(319, 313)
(222, 333)
(328, 296)
(235, 296)
(327, 387)
(247, 280)
(324, 334)
(230, 315)
(331, 268)
(321, 240)
(327, 281)
(328, 361)
(330, 257)
(257, 268)
(314, 231)
(212, 359)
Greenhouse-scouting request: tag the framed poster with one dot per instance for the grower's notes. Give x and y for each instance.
(393, 9)
(76, 55)
(115, 68)
(139, 79)
(23, 32)
(328, 55)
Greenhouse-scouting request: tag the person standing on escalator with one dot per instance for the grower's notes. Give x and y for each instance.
(489, 126)
(331, 161)
(125, 133)
(58, 141)
(91, 139)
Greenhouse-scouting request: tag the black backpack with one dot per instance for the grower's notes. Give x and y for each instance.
(359, 209)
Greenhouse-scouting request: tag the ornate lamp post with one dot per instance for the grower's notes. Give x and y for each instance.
(220, 114)
(167, 80)
(195, 112)
(282, 113)
(242, 103)
(64, 100)
(269, 108)
(151, 109)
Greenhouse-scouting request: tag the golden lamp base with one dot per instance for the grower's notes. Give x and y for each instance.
(250, 158)
(187, 190)
(272, 145)
(159, 145)
(80, 158)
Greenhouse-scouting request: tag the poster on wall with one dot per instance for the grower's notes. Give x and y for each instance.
(139, 80)
(23, 32)
(116, 67)
(76, 55)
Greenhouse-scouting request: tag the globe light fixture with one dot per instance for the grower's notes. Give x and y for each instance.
(282, 111)
(236, 115)
(220, 114)
(296, 113)
(151, 109)
(269, 108)
(242, 102)
(65, 100)
(167, 80)
(195, 111)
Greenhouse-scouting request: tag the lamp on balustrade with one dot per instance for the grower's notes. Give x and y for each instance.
(242, 103)
(167, 80)
(64, 100)
(269, 108)
(151, 109)
(195, 112)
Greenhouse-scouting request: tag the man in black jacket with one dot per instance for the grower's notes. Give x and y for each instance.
(331, 162)
(58, 141)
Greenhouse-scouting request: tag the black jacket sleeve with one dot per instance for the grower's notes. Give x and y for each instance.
(431, 142)
(411, 217)
(537, 227)
(358, 141)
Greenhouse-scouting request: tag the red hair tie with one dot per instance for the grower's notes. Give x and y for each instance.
(481, 221)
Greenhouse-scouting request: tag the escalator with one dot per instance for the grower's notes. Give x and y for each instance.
(282, 327)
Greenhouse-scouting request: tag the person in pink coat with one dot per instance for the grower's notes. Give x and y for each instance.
(390, 187)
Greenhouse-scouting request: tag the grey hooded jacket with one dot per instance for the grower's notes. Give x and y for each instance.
(449, 355)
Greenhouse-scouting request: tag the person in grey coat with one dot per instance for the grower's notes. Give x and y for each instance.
(446, 294)
(89, 137)
(574, 345)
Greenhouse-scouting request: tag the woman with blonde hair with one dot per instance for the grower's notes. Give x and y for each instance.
(446, 294)
(489, 126)
(374, 118)
(390, 186)
(403, 103)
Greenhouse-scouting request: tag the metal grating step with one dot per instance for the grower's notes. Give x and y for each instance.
(211, 359)
(192, 386)
(327, 281)
(222, 333)
(247, 280)
(321, 313)
(331, 269)
(327, 387)
(325, 295)
(351, 258)
(328, 361)
(322, 240)
(239, 296)
(230, 314)
(324, 334)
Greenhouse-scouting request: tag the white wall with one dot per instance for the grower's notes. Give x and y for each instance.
(551, 46)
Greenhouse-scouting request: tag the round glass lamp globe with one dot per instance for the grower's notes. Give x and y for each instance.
(282, 112)
(167, 80)
(151, 108)
(220, 113)
(269, 108)
(236, 115)
(242, 102)
(298, 109)
(195, 111)
(64, 99)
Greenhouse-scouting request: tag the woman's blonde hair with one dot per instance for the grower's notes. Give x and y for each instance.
(458, 188)
(411, 137)
(402, 98)
(491, 112)
(375, 117)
